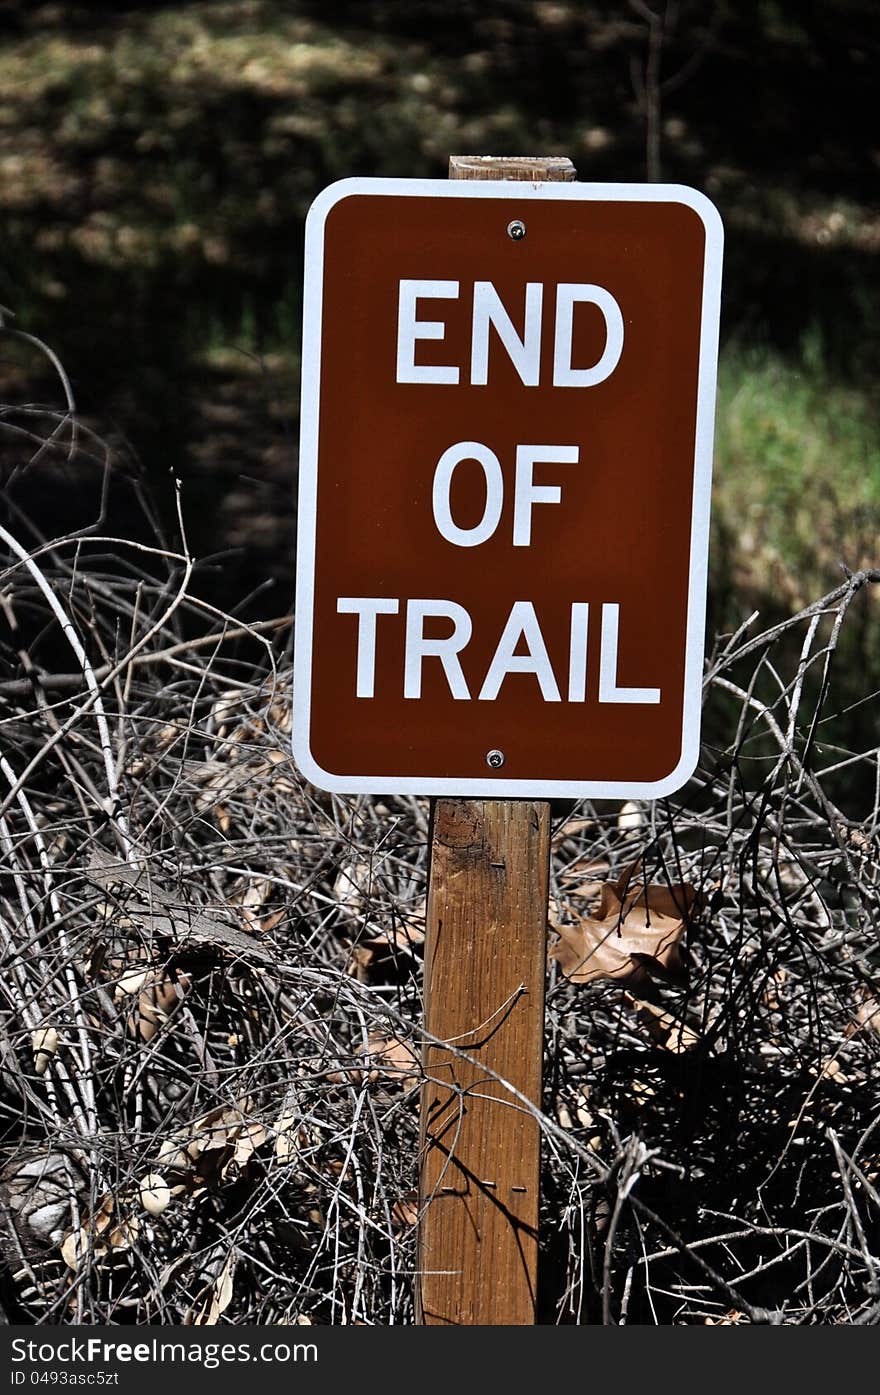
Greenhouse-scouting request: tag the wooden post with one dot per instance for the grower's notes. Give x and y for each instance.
(485, 958)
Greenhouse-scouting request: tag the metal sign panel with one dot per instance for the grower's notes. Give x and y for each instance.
(507, 413)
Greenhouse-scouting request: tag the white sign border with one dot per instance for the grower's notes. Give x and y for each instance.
(487, 786)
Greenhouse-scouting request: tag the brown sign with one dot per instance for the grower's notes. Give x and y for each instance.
(507, 411)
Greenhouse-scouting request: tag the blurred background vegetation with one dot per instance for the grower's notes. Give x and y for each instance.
(157, 160)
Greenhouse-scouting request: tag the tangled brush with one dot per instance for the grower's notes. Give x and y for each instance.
(210, 1000)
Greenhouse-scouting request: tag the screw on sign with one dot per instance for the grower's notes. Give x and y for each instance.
(507, 412)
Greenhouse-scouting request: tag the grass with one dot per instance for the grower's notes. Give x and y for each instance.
(797, 468)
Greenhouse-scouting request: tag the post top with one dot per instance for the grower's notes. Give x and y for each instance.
(522, 167)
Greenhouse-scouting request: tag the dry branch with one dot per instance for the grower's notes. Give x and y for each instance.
(210, 990)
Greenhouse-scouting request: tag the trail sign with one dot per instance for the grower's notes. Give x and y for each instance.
(507, 414)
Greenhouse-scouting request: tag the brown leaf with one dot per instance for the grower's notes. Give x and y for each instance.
(636, 932)
(772, 991)
(123, 1236)
(405, 937)
(867, 1015)
(160, 993)
(582, 877)
(667, 1030)
(219, 1298)
(583, 1116)
(570, 830)
(75, 1247)
(353, 884)
(251, 1137)
(631, 816)
(405, 1212)
(392, 1057)
(251, 895)
(288, 1135)
(830, 1069)
(101, 1232)
(270, 921)
(216, 1146)
(257, 926)
(358, 966)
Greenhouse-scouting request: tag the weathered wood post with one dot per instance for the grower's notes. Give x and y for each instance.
(485, 958)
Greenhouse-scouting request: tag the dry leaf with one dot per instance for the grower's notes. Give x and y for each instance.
(830, 1069)
(406, 1210)
(353, 884)
(667, 1030)
(276, 763)
(636, 932)
(159, 995)
(44, 1044)
(76, 1245)
(123, 1235)
(570, 830)
(406, 934)
(131, 982)
(226, 709)
(771, 991)
(392, 1057)
(358, 966)
(269, 922)
(584, 1117)
(280, 713)
(74, 1248)
(99, 1235)
(251, 1137)
(630, 816)
(172, 1157)
(216, 1146)
(586, 874)
(563, 1115)
(406, 937)
(251, 895)
(286, 1131)
(155, 1193)
(221, 1296)
(867, 1015)
(249, 901)
(587, 1119)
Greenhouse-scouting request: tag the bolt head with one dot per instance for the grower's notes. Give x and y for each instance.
(516, 230)
(495, 759)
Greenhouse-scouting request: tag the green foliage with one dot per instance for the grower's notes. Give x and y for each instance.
(797, 466)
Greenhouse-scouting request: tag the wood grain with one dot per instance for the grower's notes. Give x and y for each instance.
(485, 958)
(557, 167)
